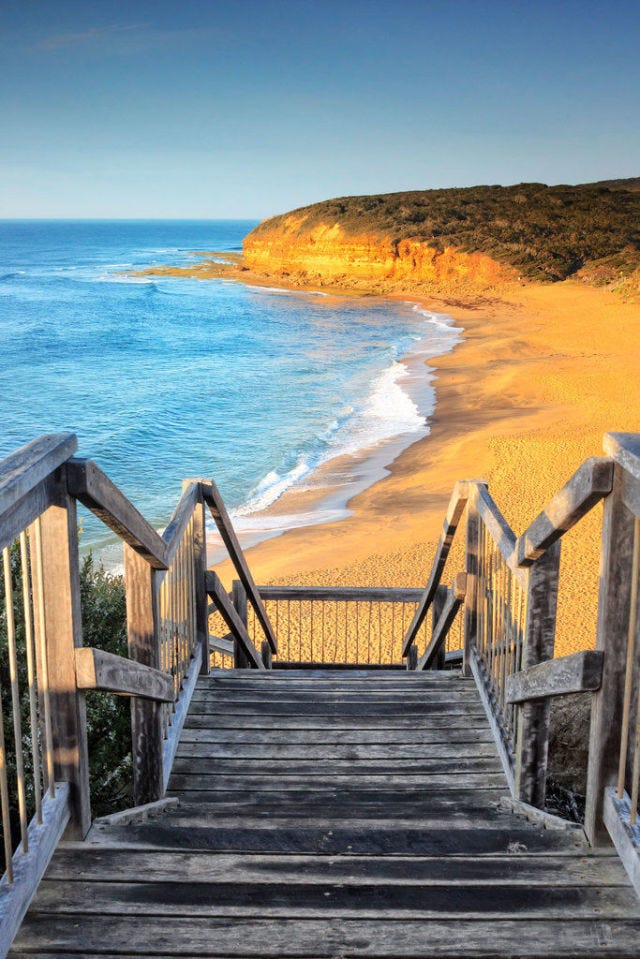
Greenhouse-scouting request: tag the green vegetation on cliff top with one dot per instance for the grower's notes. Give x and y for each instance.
(545, 232)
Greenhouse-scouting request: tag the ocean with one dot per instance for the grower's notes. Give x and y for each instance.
(163, 378)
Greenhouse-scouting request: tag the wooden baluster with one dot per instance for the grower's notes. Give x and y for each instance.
(629, 668)
(42, 671)
(4, 802)
(533, 717)
(15, 697)
(471, 567)
(62, 627)
(31, 675)
(614, 607)
(144, 647)
(239, 599)
(439, 601)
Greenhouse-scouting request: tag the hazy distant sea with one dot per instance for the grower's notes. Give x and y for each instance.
(164, 378)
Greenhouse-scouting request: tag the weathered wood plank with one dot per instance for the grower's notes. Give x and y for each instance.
(614, 600)
(470, 624)
(112, 936)
(524, 868)
(499, 531)
(227, 533)
(220, 644)
(457, 503)
(233, 622)
(180, 519)
(625, 449)
(27, 467)
(443, 732)
(444, 782)
(350, 751)
(97, 669)
(175, 731)
(28, 868)
(200, 592)
(532, 744)
(499, 738)
(98, 493)
(310, 769)
(575, 673)
(146, 717)
(63, 631)
(347, 900)
(381, 837)
(23, 512)
(341, 594)
(588, 485)
(625, 837)
(336, 698)
(455, 598)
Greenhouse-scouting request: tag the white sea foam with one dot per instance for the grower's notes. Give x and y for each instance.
(387, 413)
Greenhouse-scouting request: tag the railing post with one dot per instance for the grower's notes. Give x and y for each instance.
(614, 600)
(439, 601)
(141, 583)
(471, 567)
(200, 564)
(63, 630)
(239, 600)
(532, 745)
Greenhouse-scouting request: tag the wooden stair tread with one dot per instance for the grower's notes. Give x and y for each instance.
(329, 815)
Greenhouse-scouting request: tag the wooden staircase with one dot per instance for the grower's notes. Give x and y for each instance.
(334, 813)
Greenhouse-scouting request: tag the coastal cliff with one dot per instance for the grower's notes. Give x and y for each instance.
(461, 240)
(327, 254)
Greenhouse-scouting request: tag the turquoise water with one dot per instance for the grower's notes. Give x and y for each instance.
(163, 378)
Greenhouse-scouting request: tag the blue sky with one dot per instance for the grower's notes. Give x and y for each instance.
(245, 108)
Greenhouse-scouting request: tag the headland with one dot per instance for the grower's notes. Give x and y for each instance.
(547, 364)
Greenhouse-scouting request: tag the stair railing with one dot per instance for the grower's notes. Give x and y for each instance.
(509, 635)
(46, 671)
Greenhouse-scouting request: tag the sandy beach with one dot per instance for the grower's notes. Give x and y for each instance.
(542, 372)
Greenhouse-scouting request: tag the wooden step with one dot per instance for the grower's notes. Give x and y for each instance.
(447, 938)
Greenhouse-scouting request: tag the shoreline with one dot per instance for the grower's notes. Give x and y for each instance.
(542, 373)
(329, 487)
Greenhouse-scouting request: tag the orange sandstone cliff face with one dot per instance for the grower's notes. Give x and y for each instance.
(326, 254)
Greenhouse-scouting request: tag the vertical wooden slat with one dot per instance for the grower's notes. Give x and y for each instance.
(239, 599)
(533, 719)
(42, 670)
(4, 802)
(63, 631)
(471, 568)
(31, 675)
(629, 670)
(15, 697)
(146, 716)
(200, 599)
(439, 600)
(614, 604)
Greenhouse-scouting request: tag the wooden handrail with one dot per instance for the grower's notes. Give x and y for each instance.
(588, 485)
(341, 594)
(23, 470)
(97, 669)
(457, 503)
(578, 673)
(179, 521)
(98, 493)
(454, 600)
(227, 533)
(235, 625)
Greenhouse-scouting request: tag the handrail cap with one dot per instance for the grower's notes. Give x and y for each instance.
(625, 449)
(23, 469)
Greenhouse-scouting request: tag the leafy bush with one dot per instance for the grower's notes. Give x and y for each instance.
(108, 717)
